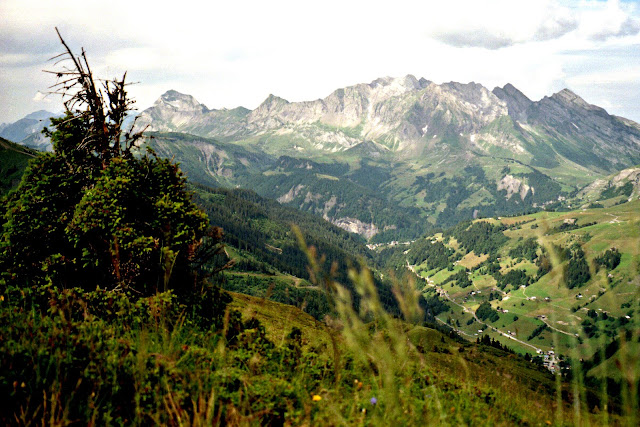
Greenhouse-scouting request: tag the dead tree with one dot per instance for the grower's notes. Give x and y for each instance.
(102, 106)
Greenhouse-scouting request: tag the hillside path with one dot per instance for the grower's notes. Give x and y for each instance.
(556, 329)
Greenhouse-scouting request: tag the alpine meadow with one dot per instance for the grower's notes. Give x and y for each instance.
(399, 252)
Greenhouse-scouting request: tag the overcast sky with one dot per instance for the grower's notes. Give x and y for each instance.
(235, 53)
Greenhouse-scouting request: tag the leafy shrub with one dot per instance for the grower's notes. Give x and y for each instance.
(537, 331)
(526, 249)
(613, 191)
(435, 254)
(480, 237)
(515, 278)
(461, 278)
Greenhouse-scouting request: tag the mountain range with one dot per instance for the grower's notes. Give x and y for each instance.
(393, 157)
(396, 157)
(28, 130)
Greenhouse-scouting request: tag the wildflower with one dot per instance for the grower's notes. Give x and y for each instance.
(358, 384)
(373, 401)
(1, 298)
(316, 398)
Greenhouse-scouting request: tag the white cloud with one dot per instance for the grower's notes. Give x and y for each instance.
(502, 23)
(611, 19)
(41, 97)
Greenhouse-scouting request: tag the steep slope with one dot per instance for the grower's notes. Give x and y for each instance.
(617, 188)
(13, 161)
(586, 134)
(267, 253)
(209, 161)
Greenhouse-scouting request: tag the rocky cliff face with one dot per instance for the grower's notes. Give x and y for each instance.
(517, 103)
(402, 113)
(585, 133)
(624, 184)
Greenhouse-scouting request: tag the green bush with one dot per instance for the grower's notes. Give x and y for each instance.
(484, 312)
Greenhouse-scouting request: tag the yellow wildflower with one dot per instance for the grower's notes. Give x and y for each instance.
(316, 398)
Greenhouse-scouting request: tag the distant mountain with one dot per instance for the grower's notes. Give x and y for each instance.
(28, 130)
(393, 157)
(175, 112)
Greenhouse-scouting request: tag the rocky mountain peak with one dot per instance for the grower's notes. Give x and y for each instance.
(393, 86)
(41, 115)
(567, 96)
(180, 102)
(270, 108)
(511, 91)
(273, 101)
(517, 102)
(568, 101)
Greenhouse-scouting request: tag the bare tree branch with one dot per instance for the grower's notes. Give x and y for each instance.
(103, 107)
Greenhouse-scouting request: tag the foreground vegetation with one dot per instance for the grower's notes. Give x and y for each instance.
(102, 357)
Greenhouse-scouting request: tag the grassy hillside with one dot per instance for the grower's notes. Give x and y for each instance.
(112, 357)
(96, 357)
(109, 357)
(566, 282)
(389, 198)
